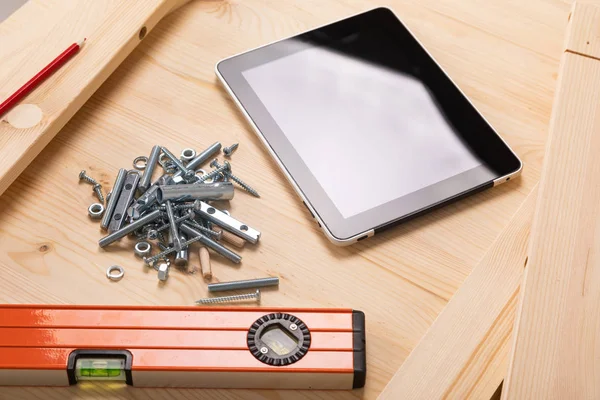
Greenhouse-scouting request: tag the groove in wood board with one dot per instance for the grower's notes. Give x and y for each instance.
(556, 344)
(453, 358)
(583, 35)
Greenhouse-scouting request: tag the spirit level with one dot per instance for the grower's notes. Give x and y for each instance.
(183, 346)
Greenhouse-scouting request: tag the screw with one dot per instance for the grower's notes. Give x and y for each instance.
(210, 232)
(293, 327)
(228, 174)
(177, 221)
(230, 299)
(98, 191)
(84, 177)
(264, 350)
(212, 174)
(176, 207)
(229, 150)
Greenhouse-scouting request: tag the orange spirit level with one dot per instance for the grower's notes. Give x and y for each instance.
(182, 346)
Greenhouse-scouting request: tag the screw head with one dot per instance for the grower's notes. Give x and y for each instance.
(293, 327)
(82, 174)
(214, 163)
(227, 165)
(258, 295)
(97, 186)
(264, 350)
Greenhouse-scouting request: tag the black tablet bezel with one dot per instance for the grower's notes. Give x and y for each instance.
(481, 137)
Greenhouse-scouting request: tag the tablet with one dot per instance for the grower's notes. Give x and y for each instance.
(365, 124)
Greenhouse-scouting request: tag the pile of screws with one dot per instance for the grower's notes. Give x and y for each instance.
(175, 210)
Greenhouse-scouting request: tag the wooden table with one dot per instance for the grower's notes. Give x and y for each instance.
(503, 53)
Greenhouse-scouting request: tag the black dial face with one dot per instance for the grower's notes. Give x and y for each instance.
(278, 339)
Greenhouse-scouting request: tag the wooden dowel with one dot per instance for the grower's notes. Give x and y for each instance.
(230, 237)
(205, 266)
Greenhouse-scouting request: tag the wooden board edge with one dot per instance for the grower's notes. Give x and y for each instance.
(469, 338)
(536, 366)
(104, 51)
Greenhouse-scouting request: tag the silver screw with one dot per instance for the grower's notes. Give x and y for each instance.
(264, 350)
(228, 174)
(229, 150)
(84, 177)
(212, 174)
(177, 207)
(209, 232)
(177, 222)
(231, 299)
(98, 191)
(293, 327)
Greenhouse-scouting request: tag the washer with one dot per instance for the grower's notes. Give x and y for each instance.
(188, 154)
(137, 163)
(142, 249)
(115, 277)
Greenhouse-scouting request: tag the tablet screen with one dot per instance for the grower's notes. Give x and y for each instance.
(365, 123)
(346, 117)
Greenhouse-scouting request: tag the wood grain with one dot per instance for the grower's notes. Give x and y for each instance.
(464, 353)
(583, 36)
(113, 31)
(504, 54)
(556, 351)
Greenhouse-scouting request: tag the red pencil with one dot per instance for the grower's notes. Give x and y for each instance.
(40, 77)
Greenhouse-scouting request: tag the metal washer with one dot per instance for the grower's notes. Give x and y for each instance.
(116, 277)
(188, 154)
(138, 160)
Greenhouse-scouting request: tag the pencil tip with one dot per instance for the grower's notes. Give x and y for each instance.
(81, 42)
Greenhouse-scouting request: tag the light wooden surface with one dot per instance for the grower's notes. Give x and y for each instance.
(556, 349)
(503, 53)
(114, 28)
(465, 352)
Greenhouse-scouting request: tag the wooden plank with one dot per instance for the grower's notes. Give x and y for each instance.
(556, 351)
(113, 29)
(463, 355)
